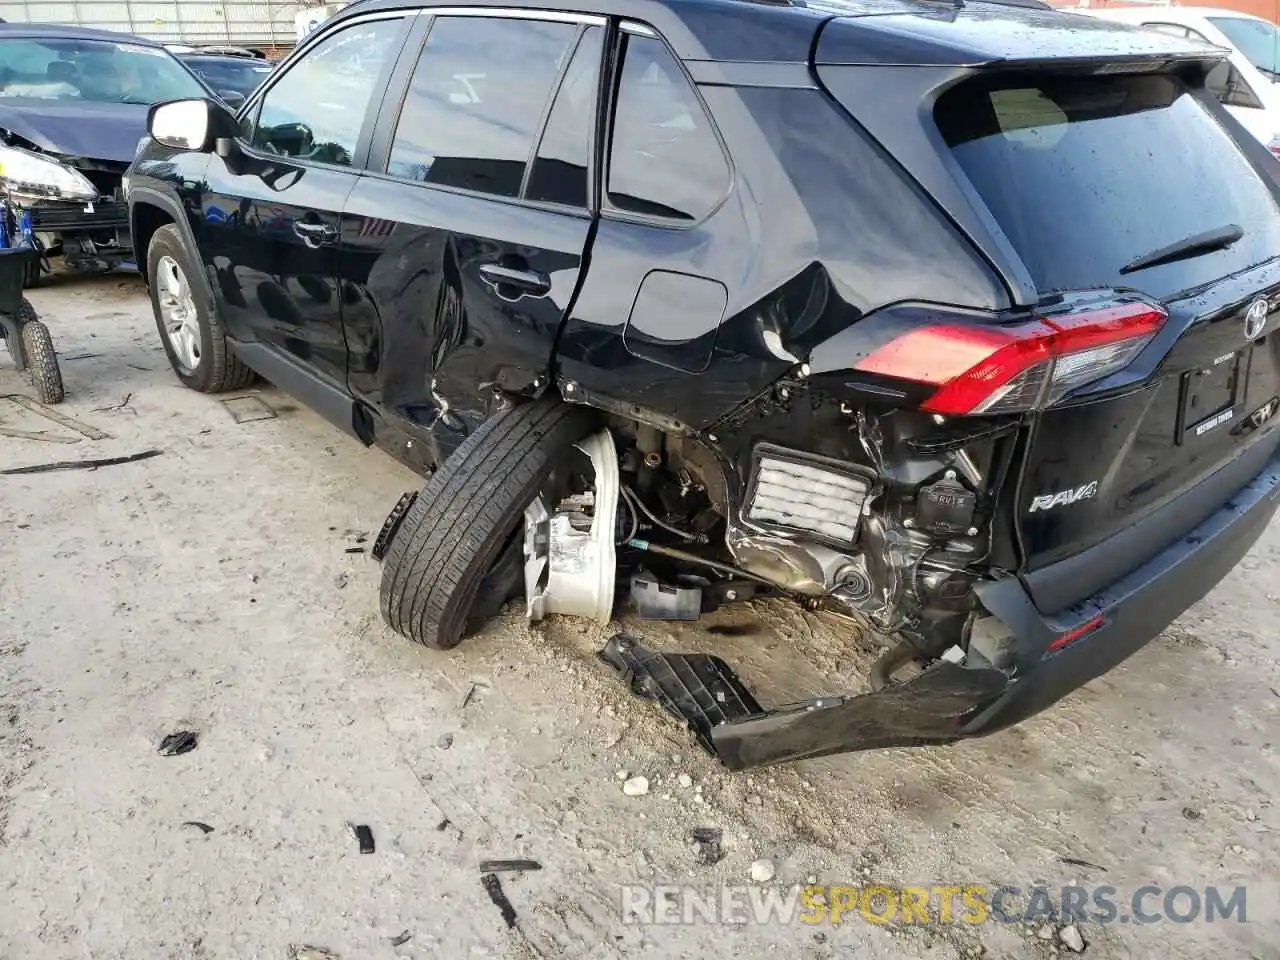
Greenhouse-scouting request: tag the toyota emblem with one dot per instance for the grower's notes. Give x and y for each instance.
(1255, 320)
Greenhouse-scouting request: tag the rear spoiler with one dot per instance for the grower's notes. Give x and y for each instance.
(998, 34)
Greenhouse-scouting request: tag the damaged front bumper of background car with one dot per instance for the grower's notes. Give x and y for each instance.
(1010, 662)
(69, 207)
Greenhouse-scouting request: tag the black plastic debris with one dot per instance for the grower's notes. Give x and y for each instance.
(697, 688)
(392, 524)
(354, 550)
(494, 889)
(708, 845)
(401, 939)
(443, 824)
(365, 836)
(202, 827)
(508, 866)
(184, 741)
(80, 464)
(1076, 862)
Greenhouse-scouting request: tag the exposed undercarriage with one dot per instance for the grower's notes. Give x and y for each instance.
(882, 516)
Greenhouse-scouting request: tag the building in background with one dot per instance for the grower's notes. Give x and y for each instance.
(271, 26)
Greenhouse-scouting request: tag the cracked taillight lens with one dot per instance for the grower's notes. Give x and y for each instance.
(989, 369)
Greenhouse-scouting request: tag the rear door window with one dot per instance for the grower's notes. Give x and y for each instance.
(476, 101)
(559, 172)
(1085, 174)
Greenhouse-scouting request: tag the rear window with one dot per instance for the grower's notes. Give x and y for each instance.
(1086, 174)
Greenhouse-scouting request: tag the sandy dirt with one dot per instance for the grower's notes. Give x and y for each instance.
(210, 589)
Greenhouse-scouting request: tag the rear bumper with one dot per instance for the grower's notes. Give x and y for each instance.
(1130, 612)
(948, 701)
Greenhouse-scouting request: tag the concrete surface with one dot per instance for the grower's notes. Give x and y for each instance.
(209, 589)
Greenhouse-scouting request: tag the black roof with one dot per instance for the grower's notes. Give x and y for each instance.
(874, 31)
(62, 30)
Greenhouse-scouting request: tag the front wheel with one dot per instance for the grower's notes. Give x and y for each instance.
(193, 337)
(444, 551)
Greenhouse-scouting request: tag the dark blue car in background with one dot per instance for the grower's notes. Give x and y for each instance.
(73, 106)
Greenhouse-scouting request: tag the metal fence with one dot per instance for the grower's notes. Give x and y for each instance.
(239, 22)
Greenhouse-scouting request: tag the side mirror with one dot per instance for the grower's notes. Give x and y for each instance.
(234, 99)
(190, 124)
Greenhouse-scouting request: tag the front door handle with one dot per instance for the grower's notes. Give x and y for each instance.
(315, 234)
(511, 284)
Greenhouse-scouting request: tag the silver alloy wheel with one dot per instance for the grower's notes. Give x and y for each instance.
(178, 313)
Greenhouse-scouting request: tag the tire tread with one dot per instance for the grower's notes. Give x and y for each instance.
(455, 529)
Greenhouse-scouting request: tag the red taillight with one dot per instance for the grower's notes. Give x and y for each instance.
(1274, 147)
(1005, 369)
(1062, 641)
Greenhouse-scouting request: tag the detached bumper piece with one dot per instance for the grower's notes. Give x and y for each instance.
(697, 688)
(704, 692)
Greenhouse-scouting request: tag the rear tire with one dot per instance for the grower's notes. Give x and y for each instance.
(197, 349)
(456, 529)
(42, 361)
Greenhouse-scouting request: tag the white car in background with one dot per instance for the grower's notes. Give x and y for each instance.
(1247, 88)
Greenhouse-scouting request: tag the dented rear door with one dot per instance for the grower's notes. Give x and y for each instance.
(461, 255)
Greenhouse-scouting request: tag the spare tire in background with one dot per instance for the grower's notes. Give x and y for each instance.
(465, 516)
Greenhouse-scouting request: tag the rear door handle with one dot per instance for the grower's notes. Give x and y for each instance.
(315, 234)
(511, 284)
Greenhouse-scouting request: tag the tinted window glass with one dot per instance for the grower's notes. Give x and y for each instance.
(665, 159)
(1256, 39)
(1226, 83)
(241, 76)
(560, 170)
(92, 71)
(476, 100)
(1085, 174)
(315, 111)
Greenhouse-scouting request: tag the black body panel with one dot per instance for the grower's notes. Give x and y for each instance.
(1133, 609)
(798, 268)
(431, 338)
(274, 283)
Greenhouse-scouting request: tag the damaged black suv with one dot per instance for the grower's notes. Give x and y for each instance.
(958, 319)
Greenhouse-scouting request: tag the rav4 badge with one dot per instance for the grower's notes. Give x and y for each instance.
(1062, 498)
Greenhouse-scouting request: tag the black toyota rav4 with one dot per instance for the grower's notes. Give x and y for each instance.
(960, 319)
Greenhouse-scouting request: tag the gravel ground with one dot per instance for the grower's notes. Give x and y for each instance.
(212, 589)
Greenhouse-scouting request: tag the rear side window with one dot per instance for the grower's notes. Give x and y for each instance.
(476, 101)
(665, 159)
(316, 110)
(1085, 174)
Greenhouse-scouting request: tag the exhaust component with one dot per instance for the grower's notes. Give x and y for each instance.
(567, 569)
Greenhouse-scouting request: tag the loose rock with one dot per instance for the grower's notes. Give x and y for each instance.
(636, 787)
(685, 780)
(445, 742)
(762, 871)
(1071, 938)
